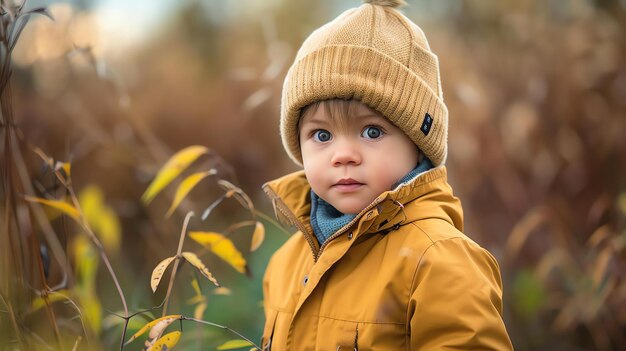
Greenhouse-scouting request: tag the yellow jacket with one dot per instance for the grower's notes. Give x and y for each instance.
(400, 276)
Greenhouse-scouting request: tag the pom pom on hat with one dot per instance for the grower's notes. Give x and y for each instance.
(388, 3)
(376, 55)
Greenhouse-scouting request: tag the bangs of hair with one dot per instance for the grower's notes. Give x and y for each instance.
(337, 110)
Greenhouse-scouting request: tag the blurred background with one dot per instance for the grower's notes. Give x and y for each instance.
(536, 92)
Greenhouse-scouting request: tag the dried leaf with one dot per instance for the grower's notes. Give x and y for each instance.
(78, 340)
(234, 344)
(185, 187)
(196, 262)
(158, 271)
(222, 291)
(599, 236)
(167, 342)
(522, 230)
(222, 247)
(601, 266)
(151, 324)
(59, 205)
(172, 168)
(258, 236)
(232, 190)
(157, 329)
(257, 98)
(212, 206)
(47, 159)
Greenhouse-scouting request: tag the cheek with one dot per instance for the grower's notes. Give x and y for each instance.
(312, 169)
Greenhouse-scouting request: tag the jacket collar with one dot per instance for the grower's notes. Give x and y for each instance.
(427, 196)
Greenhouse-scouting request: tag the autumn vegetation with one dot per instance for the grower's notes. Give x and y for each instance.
(131, 215)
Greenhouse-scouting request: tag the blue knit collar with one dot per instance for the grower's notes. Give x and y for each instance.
(325, 219)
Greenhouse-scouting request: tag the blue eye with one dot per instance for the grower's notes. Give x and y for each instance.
(372, 132)
(321, 135)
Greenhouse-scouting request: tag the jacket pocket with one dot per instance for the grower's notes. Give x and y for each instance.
(268, 331)
(364, 336)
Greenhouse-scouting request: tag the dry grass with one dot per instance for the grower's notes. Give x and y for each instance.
(536, 92)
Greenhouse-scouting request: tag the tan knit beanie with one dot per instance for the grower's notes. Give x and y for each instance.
(376, 55)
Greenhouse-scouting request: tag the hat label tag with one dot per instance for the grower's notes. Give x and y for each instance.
(428, 122)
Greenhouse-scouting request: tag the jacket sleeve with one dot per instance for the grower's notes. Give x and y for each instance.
(456, 300)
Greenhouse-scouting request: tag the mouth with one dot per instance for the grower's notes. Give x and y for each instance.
(347, 185)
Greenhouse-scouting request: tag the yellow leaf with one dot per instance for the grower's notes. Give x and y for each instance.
(39, 301)
(198, 312)
(66, 166)
(158, 271)
(222, 247)
(234, 344)
(196, 262)
(101, 218)
(87, 259)
(157, 330)
(185, 187)
(151, 324)
(109, 229)
(258, 236)
(59, 205)
(196, 286)
(172, 168)
(198, 298)
(167, 342)
(92, 310)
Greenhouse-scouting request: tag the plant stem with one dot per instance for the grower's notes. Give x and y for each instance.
(271, 220)
(177, 261)
(221, 327)
(100, 247)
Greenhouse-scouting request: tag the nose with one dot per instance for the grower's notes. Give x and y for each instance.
(345, 152)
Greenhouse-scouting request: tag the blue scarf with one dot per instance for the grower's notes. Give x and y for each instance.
(325, 219)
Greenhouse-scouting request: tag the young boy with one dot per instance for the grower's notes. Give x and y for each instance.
(380, 261)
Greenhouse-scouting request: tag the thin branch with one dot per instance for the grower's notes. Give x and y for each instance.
(221, 327)
(178, 256)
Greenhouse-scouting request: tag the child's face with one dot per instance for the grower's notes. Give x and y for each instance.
(350, 161)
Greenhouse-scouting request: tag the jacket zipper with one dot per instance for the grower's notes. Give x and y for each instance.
(346, 227)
